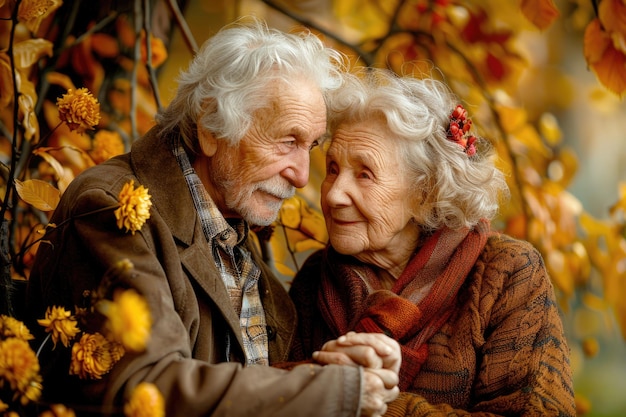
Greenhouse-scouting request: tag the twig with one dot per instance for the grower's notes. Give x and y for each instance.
(182, 24)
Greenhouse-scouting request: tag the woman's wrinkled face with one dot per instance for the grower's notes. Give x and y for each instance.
(365, 195)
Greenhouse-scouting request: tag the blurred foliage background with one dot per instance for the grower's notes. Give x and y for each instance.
(543, 80)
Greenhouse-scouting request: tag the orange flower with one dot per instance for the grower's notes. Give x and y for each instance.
(11, 327)
(61, 324)
(58, 410)
(145, 401)
(106, 144)
(94, 356)
(79, 109)
(19, 367)
(128, 319)
(134, 207)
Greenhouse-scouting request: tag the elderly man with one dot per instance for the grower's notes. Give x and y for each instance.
(231, 146)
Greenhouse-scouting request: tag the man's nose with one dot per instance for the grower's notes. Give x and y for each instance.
(297, 173)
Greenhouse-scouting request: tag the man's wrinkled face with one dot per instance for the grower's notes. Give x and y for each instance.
(253, 179)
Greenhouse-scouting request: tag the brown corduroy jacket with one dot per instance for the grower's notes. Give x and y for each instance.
(502, 352)
(194, 354)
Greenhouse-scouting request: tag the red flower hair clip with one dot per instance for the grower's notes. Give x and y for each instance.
(459, 128)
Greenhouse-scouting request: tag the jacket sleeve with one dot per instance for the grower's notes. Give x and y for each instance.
(523, 361)
(85, 244)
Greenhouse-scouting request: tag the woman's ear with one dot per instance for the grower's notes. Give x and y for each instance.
(207, 142)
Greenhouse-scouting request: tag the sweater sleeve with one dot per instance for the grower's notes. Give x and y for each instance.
(522, 354)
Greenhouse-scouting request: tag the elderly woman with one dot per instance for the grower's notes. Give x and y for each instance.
(408, 197)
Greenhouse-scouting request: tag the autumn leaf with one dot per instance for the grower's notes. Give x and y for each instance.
(612, 15)
(39, 194)
(541, 13)
(620, 206)
(29, 52)
(61, 80)
(608, 63)
(607, 250)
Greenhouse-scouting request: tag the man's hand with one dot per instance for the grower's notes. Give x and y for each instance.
(370, 350)
(380, 357)
(380, 386)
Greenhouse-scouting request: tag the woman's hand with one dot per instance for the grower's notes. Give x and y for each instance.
(370, 350)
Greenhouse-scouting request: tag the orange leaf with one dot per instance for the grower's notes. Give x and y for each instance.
(595, 42)
(612, 14)
(541, 13)
(608, 63)
(39, 194)
(105, 45)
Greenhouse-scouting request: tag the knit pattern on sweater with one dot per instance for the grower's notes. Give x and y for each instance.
(501, 352)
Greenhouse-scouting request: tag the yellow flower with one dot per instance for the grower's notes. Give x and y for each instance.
(106, 144)
(94, 356)
(79, 109)
(11, 327)
(61, 324)
(145, 401)
(134, 207)
(19, 367)
(32, 12)
(58, 410)
(3, 406)
(128, 319)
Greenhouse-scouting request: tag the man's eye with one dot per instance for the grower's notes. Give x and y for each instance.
(313, 145)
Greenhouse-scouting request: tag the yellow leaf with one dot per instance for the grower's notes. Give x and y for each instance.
(308, 244)
(569, 162)
(54, 163)
(30, 51)
(61, 80)
(560, 275)
(512, 118)
(290, 213)
(550, 129)
(541, 13)
(39, 194)
(6, 80)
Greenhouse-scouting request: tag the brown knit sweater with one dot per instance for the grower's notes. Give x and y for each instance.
(501, 352)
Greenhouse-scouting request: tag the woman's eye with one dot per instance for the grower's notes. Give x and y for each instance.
(365, 175)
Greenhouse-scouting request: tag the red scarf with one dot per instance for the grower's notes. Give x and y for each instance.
(351, 297)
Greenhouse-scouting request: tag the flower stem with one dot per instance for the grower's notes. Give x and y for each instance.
(42, 344)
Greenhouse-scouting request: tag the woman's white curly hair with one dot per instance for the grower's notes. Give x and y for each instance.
(453, 189)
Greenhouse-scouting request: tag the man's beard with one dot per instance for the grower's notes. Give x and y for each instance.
(241, 200)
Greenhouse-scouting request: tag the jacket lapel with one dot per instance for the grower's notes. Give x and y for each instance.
(156, 169)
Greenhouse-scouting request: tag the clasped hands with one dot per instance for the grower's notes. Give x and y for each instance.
(380, 357)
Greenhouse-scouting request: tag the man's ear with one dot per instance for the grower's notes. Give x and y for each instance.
(207, 142)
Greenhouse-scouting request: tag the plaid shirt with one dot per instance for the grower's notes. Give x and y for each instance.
(239, 272)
